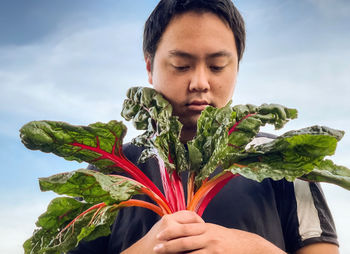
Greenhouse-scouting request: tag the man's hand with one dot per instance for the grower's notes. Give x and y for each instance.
(199, 237)
(185, 231)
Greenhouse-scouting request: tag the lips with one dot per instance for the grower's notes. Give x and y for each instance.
(197, 105)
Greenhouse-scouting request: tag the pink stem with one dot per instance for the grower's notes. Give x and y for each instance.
(179, 190)
(167, 185)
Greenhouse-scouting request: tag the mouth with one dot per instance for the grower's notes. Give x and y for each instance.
(197, 105)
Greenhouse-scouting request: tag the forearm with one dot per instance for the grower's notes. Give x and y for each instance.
(253, 244)
(138, 247)
(319, 248)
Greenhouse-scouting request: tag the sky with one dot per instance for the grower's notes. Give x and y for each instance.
(73, 61)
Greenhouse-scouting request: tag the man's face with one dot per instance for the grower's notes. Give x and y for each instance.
(195, 65)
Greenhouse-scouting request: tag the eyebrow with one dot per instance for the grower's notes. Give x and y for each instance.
(183, 54)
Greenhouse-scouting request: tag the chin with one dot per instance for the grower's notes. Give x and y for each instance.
(190, 123)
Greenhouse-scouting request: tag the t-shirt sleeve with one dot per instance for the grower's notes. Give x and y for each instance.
(305, 215)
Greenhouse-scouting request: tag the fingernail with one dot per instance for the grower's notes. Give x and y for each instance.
(158, 247)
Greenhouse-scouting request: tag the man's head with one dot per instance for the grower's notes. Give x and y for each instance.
(166, 10)
(192, 56)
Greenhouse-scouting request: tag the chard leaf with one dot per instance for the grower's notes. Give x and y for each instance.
(96, 143)
(212, 129)
(223, 134)
(57, 235)
(149, 111)
(215, 142)
(67, 220)
(94, 187)
(291, 155)
(327, 171)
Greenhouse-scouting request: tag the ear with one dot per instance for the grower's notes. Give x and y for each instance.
(149, 69)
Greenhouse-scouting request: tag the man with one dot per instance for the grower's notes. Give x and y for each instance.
(192, 51)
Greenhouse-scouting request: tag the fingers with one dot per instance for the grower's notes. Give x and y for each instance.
(184, 217)
(176, 232)
(180, 224)
(181, 230)
(180, 245)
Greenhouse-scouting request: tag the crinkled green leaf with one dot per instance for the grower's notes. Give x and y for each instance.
(52, 236)
(223, 134)
(212, 129)
(60, 212)
(99, 140)
(212, 142)
(291, 155)
(143, 105)
(93, 186)
(327, 171)
(149, 111)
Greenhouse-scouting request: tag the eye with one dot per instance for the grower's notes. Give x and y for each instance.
(215, 68)
(181, 68)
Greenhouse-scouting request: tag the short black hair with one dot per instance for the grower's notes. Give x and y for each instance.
(166, 10)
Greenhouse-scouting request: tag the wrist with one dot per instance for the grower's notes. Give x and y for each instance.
(141, 246)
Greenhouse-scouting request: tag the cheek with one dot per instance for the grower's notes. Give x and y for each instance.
(171, 86)
(224, 93)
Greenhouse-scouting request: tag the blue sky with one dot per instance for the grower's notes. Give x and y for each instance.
(74, 60)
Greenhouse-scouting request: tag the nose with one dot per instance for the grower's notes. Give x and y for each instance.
(199, 80)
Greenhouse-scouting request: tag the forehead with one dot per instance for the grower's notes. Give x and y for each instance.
(187, 17)
(197, 31)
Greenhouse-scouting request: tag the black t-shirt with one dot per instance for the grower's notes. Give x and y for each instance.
(288, 214)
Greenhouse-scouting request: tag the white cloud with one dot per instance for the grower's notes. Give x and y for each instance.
(18, 223)
(89, 64)
(316, 83)
(81, 76)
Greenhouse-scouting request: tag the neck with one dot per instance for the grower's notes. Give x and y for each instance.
(187, 134)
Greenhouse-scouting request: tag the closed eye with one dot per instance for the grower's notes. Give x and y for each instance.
(181, 68)
(215, 68)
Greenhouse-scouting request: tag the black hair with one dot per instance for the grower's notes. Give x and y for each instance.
(166, 10)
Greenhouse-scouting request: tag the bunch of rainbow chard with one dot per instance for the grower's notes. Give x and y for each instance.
(222, 141)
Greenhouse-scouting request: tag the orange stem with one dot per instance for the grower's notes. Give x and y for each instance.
(164, 206)
(205, 188)
(141, 203)
(190, 187)
(148, 192)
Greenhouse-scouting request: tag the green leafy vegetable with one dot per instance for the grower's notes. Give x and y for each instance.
(222, 144)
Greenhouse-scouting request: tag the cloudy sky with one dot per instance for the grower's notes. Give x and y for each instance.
(74, 60)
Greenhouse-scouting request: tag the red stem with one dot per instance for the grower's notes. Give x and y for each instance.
(211, 193)
(122, 162)
(179, 191)
(167, 185)
(199, 196)
(176, 183)
(237, 123)
(97, 206)
(163, 205)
